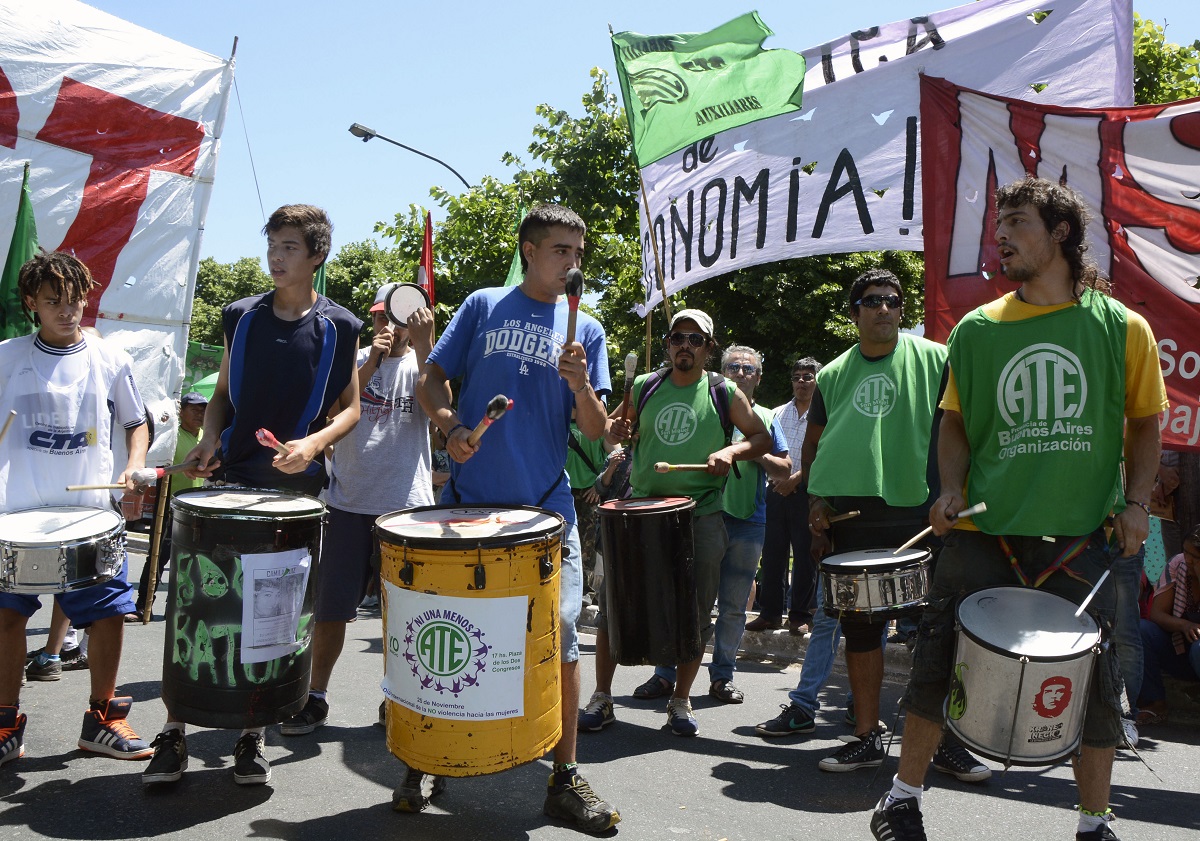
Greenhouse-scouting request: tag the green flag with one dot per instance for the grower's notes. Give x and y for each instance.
(319, 279)
(515, 275)
(682, 88)
(13, 320)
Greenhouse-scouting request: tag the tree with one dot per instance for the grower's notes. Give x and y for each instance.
(1162, 72)
(218, 284)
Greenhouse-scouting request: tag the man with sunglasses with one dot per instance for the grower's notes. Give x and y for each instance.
(679, 424)
(787, 533)
(868, 449)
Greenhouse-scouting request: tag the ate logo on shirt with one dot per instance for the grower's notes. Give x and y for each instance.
(675, 423)
(875, 396)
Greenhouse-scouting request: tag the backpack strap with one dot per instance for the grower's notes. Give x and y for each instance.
(574, 444)
(718, 391)
(650, 386)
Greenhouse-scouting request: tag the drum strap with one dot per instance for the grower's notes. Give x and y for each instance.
(538, 504)
(1072, 550)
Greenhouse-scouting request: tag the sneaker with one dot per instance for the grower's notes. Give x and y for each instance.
(75, 664)
(314, 715)
(598, 713)
(418, 788)
(953, 758)
(250, 765)
(106, 731)
(863, 752)
(899, 822)
(576, 803)
(1101, 833)
(12, 735)
(793, 719)
(679, 716)
(170, 758)
(44, 670)
(1129, 734)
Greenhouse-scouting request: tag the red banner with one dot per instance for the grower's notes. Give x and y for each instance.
(1138, 169)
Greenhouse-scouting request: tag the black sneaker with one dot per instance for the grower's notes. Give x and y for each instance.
(250, 765)
(953, 758)
(864, 752)
(415, 792)
(899, 822)
(75, 664)
(49, 670)
(170, 758)
(314, 715)
(577, 804)
(793, 719)
(1101, 833)
(105, 730)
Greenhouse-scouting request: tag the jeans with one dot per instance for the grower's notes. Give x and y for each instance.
(787, 531)
(1127, 576)
(737, 574)
(819, 657)
(1161, 656)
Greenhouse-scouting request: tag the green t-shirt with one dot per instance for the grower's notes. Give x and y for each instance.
(744, 495)
(678, 426)
(880, 419)
(184, 443)
(578, 472)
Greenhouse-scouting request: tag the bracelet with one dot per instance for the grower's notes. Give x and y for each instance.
(581, 388)
(1140, 505)
(456, 426)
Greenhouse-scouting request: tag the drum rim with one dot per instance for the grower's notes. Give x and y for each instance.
(117, 527)
(667, 505)
(895, 564)
(181, 505)
(1033, 658)
(557, 528)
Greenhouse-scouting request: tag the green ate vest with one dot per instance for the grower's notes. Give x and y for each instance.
(578, 472)
(1043, 401)
(742, 495)
(678, 426)
(880, 416)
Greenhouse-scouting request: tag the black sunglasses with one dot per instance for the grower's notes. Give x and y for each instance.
(693, 339)
(803, 378)
(733, 369)
(874, 302)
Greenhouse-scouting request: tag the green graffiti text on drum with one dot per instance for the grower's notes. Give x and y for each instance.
(192, 651)
(675, 423)
(444, 649)
(213, 581)
(185, 588)
(956, 705)
(875, 396)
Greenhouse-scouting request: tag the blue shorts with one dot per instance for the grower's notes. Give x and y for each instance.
(84, 606)
(347, 565)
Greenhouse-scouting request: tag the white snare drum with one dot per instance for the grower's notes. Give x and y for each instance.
(52, 550)
(874, 584)
(1022, 669)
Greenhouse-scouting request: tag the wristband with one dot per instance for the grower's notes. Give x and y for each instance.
(581, 388)
(1140, 505)
(456, 426)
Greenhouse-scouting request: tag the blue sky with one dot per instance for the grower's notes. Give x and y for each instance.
(459, 80)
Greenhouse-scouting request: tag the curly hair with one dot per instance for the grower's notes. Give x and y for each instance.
(65, 273)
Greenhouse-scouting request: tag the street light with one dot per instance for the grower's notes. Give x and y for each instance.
(359, 130)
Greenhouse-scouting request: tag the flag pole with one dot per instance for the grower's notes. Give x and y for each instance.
(658, 272)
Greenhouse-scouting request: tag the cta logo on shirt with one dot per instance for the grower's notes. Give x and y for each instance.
(62, 443)
(875, 396)
(1041, 392)
(675, 423)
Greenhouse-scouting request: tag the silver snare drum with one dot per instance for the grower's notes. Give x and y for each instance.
(52, 550)
(874, 584)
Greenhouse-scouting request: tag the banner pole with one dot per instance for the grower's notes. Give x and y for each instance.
(662, 286)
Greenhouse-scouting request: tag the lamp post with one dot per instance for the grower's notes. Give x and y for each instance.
(359, 130)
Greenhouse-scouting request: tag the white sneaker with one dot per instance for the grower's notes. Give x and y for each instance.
(1130, 732)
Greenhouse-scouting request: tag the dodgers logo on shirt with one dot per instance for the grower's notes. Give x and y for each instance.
(875, 396)
(1040, 393)
(675, 423)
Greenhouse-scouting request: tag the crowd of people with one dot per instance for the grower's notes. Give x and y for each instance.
(1053, 380)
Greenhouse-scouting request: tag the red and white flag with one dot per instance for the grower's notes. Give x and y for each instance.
(425, 269)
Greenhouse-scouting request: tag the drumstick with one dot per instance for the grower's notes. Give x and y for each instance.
(664, 467)
(966, 512)
(1095, 590)
(265, 438)
(110, 486)
(496, 408)
(630, 372)
(149, 475)
(7, 423)
(837, 518)
(574, 289)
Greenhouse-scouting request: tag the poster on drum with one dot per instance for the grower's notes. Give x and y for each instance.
(273, 584)
(455, 658)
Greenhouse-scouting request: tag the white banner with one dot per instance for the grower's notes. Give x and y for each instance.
(122, 129)
(455, 658)
(844, 173)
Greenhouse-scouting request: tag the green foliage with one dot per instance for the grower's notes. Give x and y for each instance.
(218, 284)
(1162, 71)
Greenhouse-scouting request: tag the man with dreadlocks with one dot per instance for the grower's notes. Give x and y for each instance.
(1042, 383)
(64, 391)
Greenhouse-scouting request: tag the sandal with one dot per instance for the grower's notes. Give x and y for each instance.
(725, 692)
(655, 687)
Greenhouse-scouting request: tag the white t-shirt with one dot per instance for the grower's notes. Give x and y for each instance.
(66, 400)
(383, 465)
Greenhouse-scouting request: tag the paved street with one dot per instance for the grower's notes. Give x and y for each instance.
(725, 784)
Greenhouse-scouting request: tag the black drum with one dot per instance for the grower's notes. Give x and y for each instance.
(650, 581)
(239, 609)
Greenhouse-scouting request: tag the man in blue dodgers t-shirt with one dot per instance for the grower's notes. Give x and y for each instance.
(511, 341)
(289, 353)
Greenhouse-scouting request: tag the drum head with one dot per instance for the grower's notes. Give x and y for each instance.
(870, 560)
(63, 524)
(647, 505)
(246, 502)
(403, 301)
(451, 526)
(1027, 623)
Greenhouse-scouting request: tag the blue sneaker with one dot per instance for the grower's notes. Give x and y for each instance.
(598, 713)
(679, 716)
(106, 731)
(12, 735)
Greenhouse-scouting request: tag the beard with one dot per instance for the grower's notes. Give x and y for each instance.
(685, 362)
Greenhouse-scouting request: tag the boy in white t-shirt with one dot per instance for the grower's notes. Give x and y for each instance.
(65, 391)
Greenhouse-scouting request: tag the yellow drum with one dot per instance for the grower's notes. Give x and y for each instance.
(471, 636)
